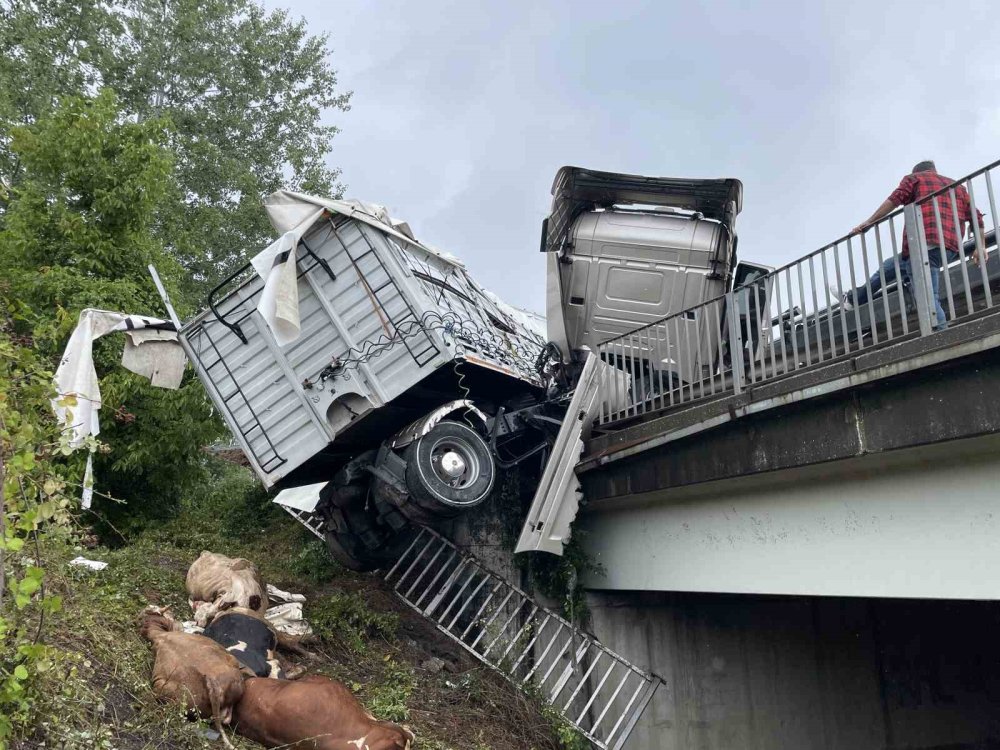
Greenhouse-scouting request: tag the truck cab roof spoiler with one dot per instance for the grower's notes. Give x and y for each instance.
(576, 190)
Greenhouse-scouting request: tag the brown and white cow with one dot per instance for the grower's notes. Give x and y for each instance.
(312, 713)
(215, 583)
(192, 669)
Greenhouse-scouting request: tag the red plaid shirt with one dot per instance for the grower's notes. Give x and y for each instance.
(919, 185)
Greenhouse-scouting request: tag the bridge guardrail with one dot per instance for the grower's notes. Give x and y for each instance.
(856, 293)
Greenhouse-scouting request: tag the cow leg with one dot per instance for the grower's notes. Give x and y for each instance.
(215, 697)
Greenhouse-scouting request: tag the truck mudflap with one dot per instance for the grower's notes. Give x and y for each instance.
(557, 498)
(425, 424)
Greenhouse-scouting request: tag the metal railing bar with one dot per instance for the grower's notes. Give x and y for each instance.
(943, 255)
(689, 368)
(531, 643)
(583, 681)
(610, 703)
(840, 291)
(782, 324)
(624, 713)
(868, 288)
(673, 375)
(458, 594)
(548, 647)
(555, 660)
(420, 577)
(482, 607)
(805, 327)
(829, 309)
(491, 618)
(631, 362)
(885, 291)
(718, 369)
(647, 373)
(435, 579)
(900, 286)
(659, 367)
(977, 231)
(475, 591)
(854, 287)
(985, 258)
(567, 672)
(969, 304)
(447, 586)
(815, 312)
(507, 622)
(596, 691)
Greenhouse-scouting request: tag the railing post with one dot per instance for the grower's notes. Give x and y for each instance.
(920, 268)
(735, 350)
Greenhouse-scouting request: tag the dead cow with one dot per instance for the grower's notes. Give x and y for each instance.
(193, 670)
(216, 582)
(315, 712)
(248, 637)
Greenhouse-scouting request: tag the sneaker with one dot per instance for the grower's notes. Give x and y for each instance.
(845, 299)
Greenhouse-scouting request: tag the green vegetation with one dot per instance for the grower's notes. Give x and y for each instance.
(95, 676)
(349, 617)
(245, 91)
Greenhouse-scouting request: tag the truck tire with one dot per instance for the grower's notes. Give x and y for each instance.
(354, 537)
(449, 470)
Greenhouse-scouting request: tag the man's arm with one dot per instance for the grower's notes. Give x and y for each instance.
(903, 194)
(885, 209)
(969, 229)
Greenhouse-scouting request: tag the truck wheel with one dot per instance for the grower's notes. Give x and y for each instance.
(354, 537)
(450, 469)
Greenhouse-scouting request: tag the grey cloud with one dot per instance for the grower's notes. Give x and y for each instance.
(464, 111)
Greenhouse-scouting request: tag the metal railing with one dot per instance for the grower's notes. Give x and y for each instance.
(598, 691)
(854, 294)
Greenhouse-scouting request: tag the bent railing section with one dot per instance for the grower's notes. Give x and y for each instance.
(854, 294)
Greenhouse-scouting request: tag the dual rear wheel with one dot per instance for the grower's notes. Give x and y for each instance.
(369, 522)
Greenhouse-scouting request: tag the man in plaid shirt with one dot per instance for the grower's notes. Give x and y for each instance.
(923, 181)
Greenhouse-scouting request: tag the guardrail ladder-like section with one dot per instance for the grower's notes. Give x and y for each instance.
(311, 521)
(383, 290)
(595, 689)
(230, 391)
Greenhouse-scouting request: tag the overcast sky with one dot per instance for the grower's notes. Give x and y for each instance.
(463, 111)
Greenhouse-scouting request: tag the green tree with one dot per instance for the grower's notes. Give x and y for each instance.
(245, 89)
(79, 233)
(48, 49)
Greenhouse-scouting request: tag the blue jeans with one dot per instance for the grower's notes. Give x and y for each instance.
(860, 295)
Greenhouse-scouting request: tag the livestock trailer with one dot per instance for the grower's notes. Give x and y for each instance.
(399, 352)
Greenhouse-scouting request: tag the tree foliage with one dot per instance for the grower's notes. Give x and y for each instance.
(79, 233)
(219, 102)
(246, 91)
(33, 493)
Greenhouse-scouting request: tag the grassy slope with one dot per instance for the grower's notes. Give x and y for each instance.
(98, 695)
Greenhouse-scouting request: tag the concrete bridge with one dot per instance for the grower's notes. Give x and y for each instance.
(809, 559)
(814, 563)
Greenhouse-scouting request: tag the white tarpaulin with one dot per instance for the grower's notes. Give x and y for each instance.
(279, 302)
(294, 214)
(76, 377)
(304, 498)
(155, 354)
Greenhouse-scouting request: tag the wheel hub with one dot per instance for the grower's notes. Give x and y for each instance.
(452, 465)
(455, 463)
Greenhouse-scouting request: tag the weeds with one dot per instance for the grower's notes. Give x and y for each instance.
(348, 618)
(313, 563)
(389, 700)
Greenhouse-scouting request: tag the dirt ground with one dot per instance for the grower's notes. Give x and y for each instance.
(400, 666)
